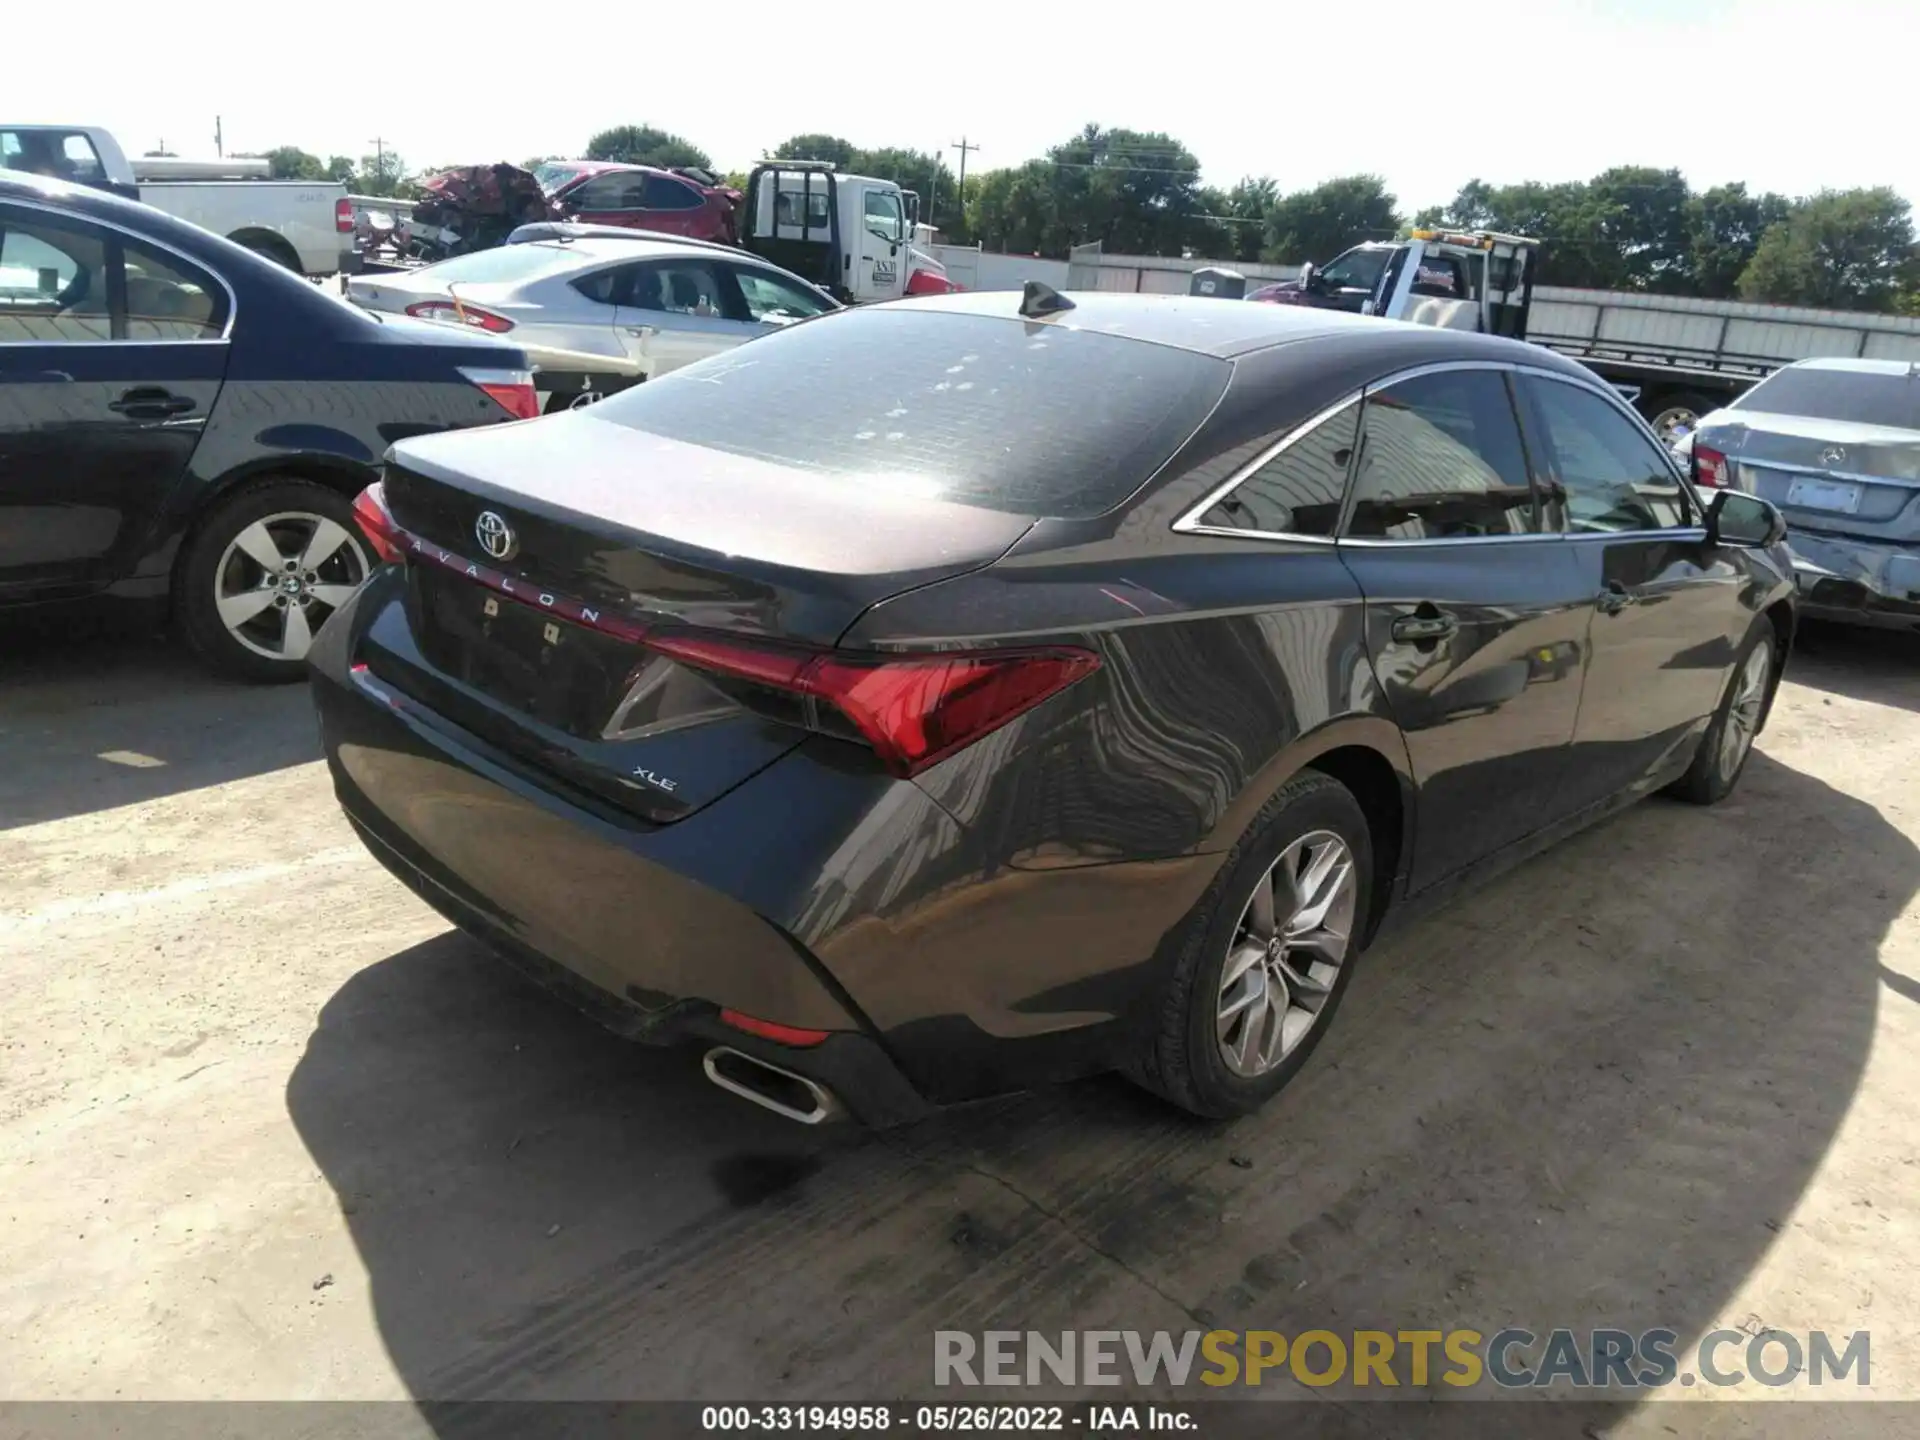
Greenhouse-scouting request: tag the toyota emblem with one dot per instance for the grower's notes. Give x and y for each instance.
(1834, 455)
(496, 537)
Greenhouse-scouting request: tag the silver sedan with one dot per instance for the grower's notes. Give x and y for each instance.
(599, 313)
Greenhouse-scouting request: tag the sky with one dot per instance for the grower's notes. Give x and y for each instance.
(1793, 97)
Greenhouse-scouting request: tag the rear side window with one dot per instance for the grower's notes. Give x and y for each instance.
(1298, 491)
(1853, 395)
(67, 282)
(659, 193)
(1441, 459)
(1027, 418)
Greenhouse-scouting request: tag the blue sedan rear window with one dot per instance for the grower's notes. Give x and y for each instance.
(1030, 418)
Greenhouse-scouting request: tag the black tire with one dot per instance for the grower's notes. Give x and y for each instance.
(1714, 771)
(207, 566)
(1182, 1058)
(275, 249)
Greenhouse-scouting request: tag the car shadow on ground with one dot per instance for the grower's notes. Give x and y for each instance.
(1589, 1094)
(93, 717)
(1880, 666)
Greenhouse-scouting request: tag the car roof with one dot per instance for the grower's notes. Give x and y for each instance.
(1229, 328)
(1858, 367)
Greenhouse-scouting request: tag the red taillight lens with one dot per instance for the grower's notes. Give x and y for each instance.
(512, 390)
(772, 1029)
(912, 711)
(343, 215)
(1710, 468)
(447, 312)
(377, 524)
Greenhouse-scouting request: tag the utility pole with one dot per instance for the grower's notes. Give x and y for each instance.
(219, 138)
(963, 147)
(379, 159)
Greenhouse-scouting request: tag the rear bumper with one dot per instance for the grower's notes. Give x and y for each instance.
(821, 893)
(850, 1064)
(1858, 582)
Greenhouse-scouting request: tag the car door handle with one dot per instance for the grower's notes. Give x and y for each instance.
(151, 402)
(1615, 598)
(1429, 626)
(641, 332)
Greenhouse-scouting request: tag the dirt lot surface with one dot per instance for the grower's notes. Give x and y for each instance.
(269, 1130)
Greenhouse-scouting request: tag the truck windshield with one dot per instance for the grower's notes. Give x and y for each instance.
(1357, 269)
(1861, 397)
(981, 410)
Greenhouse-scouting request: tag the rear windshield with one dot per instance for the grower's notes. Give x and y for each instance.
(1865, 399)
(1028, 418)
(508, 263)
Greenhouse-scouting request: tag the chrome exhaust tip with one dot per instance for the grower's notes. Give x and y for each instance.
(793, 1097)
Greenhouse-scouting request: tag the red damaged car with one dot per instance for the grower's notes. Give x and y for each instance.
(676, 202)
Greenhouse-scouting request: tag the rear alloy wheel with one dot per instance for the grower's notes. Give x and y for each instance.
(1286, 953)
(1728, 742)
(1267, 954)
(264, 573)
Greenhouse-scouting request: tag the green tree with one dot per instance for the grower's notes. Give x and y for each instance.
(1014, 209)
(290, 162)
(1640, 224)
(1238, 218)
(339, 167)
(1727, 224)
(382, 174)
(830, 148)
(1840, 249)
(1318, 224)
(644, 145)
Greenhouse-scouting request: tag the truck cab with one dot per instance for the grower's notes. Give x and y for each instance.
(848, 234)
(1458, 279)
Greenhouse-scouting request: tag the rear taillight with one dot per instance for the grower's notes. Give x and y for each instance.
(1710, 468)
(377, 524)
(343, 215)
(912, 711)
(512, 390)
(773, 1030)
(450, 313)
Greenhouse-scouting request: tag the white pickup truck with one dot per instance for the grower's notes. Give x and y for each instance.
(305, 225)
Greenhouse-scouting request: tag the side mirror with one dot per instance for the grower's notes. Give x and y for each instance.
(1737, 518)
(1308, 277)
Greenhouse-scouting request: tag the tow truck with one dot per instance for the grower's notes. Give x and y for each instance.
(848, 234)
(1460, 279)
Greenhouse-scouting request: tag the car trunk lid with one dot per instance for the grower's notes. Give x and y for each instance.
(1831, 475)
(539, 563)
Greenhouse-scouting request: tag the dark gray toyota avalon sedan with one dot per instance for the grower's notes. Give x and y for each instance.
(945, 697)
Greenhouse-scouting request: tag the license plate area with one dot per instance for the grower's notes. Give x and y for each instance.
(527, 658)
(1841, 497)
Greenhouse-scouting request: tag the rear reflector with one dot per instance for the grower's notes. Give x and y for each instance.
(343, 215)
(377, 524)
(452, 312)
(1710, 468)
(512, 389)
(914, 711)
(773, 1030)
